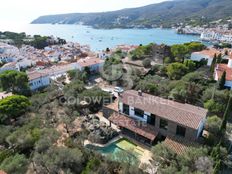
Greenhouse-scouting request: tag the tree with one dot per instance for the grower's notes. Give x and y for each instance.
(213, 64)
(219, 58)
(179, 51)
(191, 65)
(176, 70)
(147, 63)
(195, 46)
(226, 115)
(193, 160)
(213, 124)
(16, 164)
(14, 81)
(13, 106)
(222, 81)
(215, 100)
(59, 159)
(71, 74)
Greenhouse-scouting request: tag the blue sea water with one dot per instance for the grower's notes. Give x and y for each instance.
(100, 39)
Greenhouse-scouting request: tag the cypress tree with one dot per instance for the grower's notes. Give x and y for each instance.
(225, 116)
(219, 58)
(222, 81)
(212, 67)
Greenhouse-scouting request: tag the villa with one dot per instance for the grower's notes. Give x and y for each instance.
(93, 63)
(207, 54)
(149, 119)
(38, 80)
(220, 68)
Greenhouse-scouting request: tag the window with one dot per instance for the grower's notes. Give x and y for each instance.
(151, 119)
(126, 109)
(180, 131)
(139, 112)
(163, 124)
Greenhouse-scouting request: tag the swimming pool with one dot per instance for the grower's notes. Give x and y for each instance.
(121, 150)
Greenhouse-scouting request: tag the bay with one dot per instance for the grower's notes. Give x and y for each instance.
(100, 39)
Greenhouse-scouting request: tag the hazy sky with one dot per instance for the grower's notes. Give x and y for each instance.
(27, 10)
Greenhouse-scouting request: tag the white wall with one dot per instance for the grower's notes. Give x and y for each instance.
(40, 82)
(198, 57)
(132, 113)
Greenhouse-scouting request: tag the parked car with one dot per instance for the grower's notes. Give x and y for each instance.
(118, 89)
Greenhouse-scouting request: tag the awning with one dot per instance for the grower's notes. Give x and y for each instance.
(138, 127)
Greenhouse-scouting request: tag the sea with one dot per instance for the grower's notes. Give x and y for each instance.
(100, 39)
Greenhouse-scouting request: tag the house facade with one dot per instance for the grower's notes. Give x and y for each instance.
(93, 63)
(10, 66)
(38, 80)
(149, 118)
(207, 54)
(220, 68)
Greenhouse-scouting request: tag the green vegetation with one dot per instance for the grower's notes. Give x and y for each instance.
(147, 63)
(142, 52)
(222, 81)
(37, 41)
(13, 106)
(168, 14)
(193, 160)
(15, 82)
(43, 133)
(176, 70)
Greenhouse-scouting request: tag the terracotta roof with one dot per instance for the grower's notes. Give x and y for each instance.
(221, 68)
(2, 172)
(133, 125)
(35, 75)
(113, 106)
(209, 52)
(89, 61)
(183, 114)
(178, 144)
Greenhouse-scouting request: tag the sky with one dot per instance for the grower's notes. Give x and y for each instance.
(27, 10)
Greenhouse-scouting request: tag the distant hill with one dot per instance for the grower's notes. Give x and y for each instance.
(165, 14)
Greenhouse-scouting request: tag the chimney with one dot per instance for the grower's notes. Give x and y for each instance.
(140, 93)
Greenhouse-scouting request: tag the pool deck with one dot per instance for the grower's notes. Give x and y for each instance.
(87, 142)
(144, 158)
(145, 155)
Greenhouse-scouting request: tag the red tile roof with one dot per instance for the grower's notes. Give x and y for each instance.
(209, 52)
(89, 61)
(2, 172)
(138, 127)
(183, 114)
(178, 145)
(221, 68)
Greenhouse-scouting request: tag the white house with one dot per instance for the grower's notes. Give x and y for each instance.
(7, 58)
(10, 66)
(93, 63)
(207, 54)
(24, 63)
(220, 68)
(38, 80)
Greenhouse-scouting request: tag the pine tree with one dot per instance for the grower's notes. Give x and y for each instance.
(217, 167)
(212, 67)
(222, 81)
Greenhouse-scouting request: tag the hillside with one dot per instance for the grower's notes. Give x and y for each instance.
(165, 13)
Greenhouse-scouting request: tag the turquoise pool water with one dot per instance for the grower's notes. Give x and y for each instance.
(121, 150)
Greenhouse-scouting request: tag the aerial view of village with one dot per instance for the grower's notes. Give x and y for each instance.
(143, 90)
